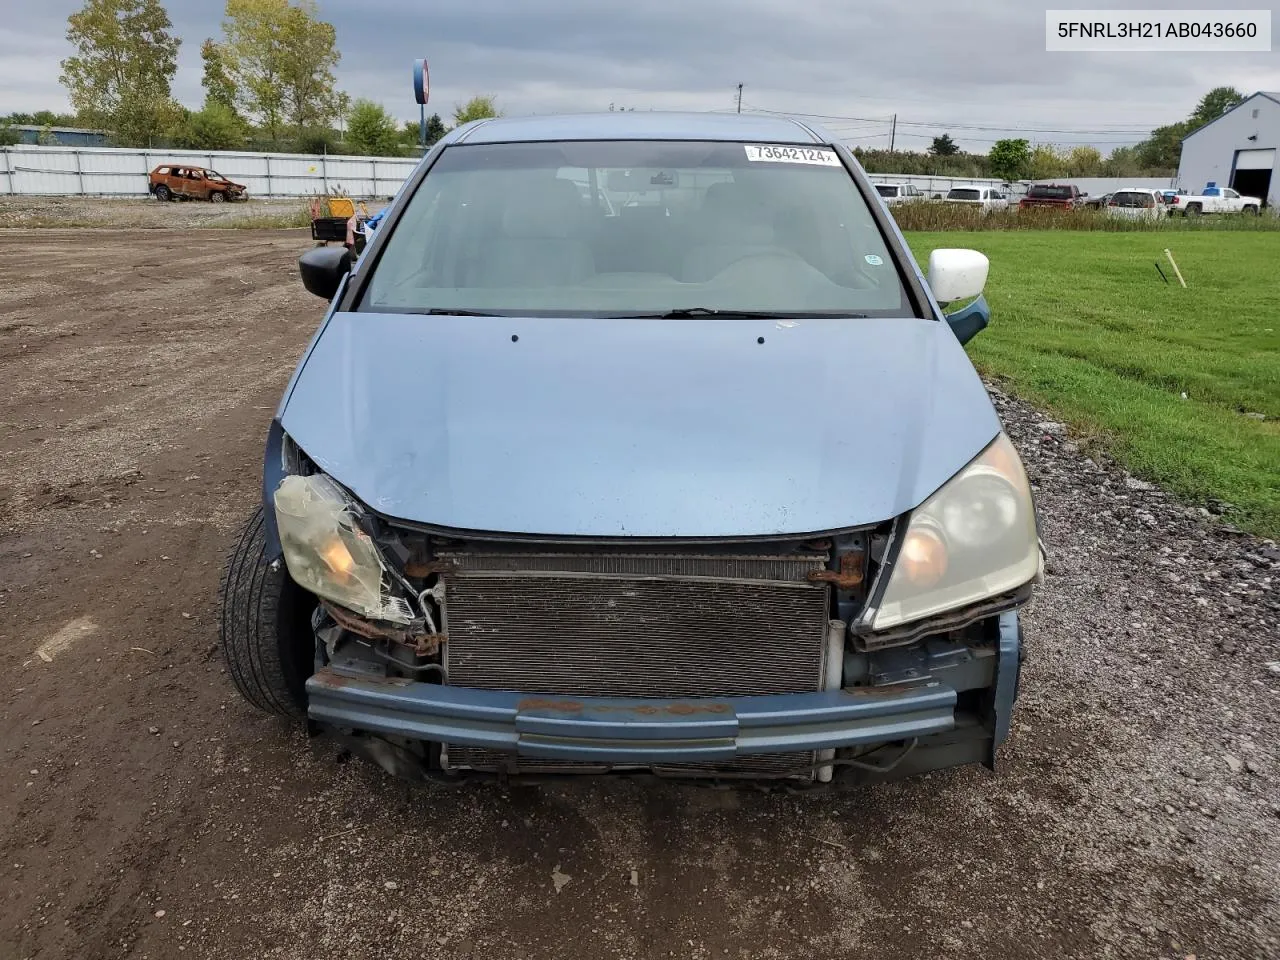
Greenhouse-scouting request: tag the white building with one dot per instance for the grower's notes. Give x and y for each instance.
(1237, 150)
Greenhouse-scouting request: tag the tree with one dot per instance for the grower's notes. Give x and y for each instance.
(435, 129)
(1163, 149)
(215, 127)
(219, 88)
(477, 108)
(371, 130)
(1010, 158)
(1122, 162)
(1044, 163)
(1084, 161)
(121, 74)
(1214, 104)
(41, 118)
(281, 56)
(315, 140)
(943, 146)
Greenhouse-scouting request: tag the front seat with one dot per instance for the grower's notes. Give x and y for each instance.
(734, 225)
(541, 239)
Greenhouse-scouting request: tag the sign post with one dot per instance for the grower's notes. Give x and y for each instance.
(421, 91)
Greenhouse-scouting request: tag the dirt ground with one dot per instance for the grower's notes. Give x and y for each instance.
(149, 813)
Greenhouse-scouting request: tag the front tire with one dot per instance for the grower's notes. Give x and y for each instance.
(217, 197)
(265, 627)
(1250, 211)
(163, 193)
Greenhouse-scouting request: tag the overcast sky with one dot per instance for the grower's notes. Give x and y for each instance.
(978, 70)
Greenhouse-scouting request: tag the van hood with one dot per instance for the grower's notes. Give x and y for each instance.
(638, 428)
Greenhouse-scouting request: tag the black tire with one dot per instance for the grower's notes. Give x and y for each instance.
(163, 193)
(1194, 210)
(1251, 211)
(217, 197)
(265, 628)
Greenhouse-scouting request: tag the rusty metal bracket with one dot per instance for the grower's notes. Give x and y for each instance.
(848, 577)
(424, 644)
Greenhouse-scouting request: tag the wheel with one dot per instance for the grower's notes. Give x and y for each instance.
(163, 193)
(1193, 210)
(217, 197)
(265, 627)
(1251, 211)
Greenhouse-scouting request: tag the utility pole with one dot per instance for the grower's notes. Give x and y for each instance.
(739, 98)
(893, 131)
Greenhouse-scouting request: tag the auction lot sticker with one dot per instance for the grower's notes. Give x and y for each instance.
(780, 153)
(1137, 31)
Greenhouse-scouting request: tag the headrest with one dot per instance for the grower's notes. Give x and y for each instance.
(548, 207)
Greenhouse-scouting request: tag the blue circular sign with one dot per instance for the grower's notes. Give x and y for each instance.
(421, 81)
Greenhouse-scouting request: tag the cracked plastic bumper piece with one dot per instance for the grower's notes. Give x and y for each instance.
(625, 730)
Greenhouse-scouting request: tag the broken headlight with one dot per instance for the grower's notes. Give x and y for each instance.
(975, 538)
(327, 552)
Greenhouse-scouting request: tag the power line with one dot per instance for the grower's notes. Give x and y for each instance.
(1112, 130)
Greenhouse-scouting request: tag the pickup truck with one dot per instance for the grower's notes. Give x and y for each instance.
(1215, 199)
(1058, 196)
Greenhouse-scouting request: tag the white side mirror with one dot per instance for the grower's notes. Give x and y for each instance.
(957, 274)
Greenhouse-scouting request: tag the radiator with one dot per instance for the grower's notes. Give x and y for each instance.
(634, 625)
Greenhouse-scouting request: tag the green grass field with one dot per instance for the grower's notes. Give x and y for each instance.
(1083, 325)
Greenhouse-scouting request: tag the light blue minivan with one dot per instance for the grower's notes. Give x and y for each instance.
(637, 443)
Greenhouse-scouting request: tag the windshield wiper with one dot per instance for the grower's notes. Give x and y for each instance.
(736, 314)
(450, 312)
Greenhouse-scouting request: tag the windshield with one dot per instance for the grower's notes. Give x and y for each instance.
(1050, 193)
(959, 193)
(637, 228)
(1133, 200)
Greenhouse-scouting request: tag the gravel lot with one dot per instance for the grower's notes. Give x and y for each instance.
(149, 813)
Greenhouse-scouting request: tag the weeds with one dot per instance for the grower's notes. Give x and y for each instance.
(936, 216)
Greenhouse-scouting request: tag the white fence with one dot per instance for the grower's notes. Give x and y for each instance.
(111, 172)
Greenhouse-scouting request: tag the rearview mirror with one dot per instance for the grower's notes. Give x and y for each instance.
(957, 274)
(323, 268)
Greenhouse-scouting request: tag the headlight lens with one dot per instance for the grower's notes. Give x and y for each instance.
(327, 553)
(973, 539)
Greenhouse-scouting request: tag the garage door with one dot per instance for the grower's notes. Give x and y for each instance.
(1255, 159)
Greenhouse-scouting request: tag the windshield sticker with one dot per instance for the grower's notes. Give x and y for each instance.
(872, 259)
(819, 156)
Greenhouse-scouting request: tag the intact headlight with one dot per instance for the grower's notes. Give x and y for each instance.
(974, 538)
(328, 554)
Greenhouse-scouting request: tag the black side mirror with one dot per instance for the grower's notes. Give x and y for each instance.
(323, 268)
(967, 322)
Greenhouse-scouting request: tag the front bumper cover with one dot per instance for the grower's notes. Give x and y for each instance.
(647, 731)
(628, 731)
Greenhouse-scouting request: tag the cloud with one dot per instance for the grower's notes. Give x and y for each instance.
(978, 72)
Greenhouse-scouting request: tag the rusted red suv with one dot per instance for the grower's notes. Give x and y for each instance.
(172, 182)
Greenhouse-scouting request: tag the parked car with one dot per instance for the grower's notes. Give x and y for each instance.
(988, 198)
(173, 182)
(1136, 203)
(559, 491)
(895, 193)
(1053, 196)
(1214, 199)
